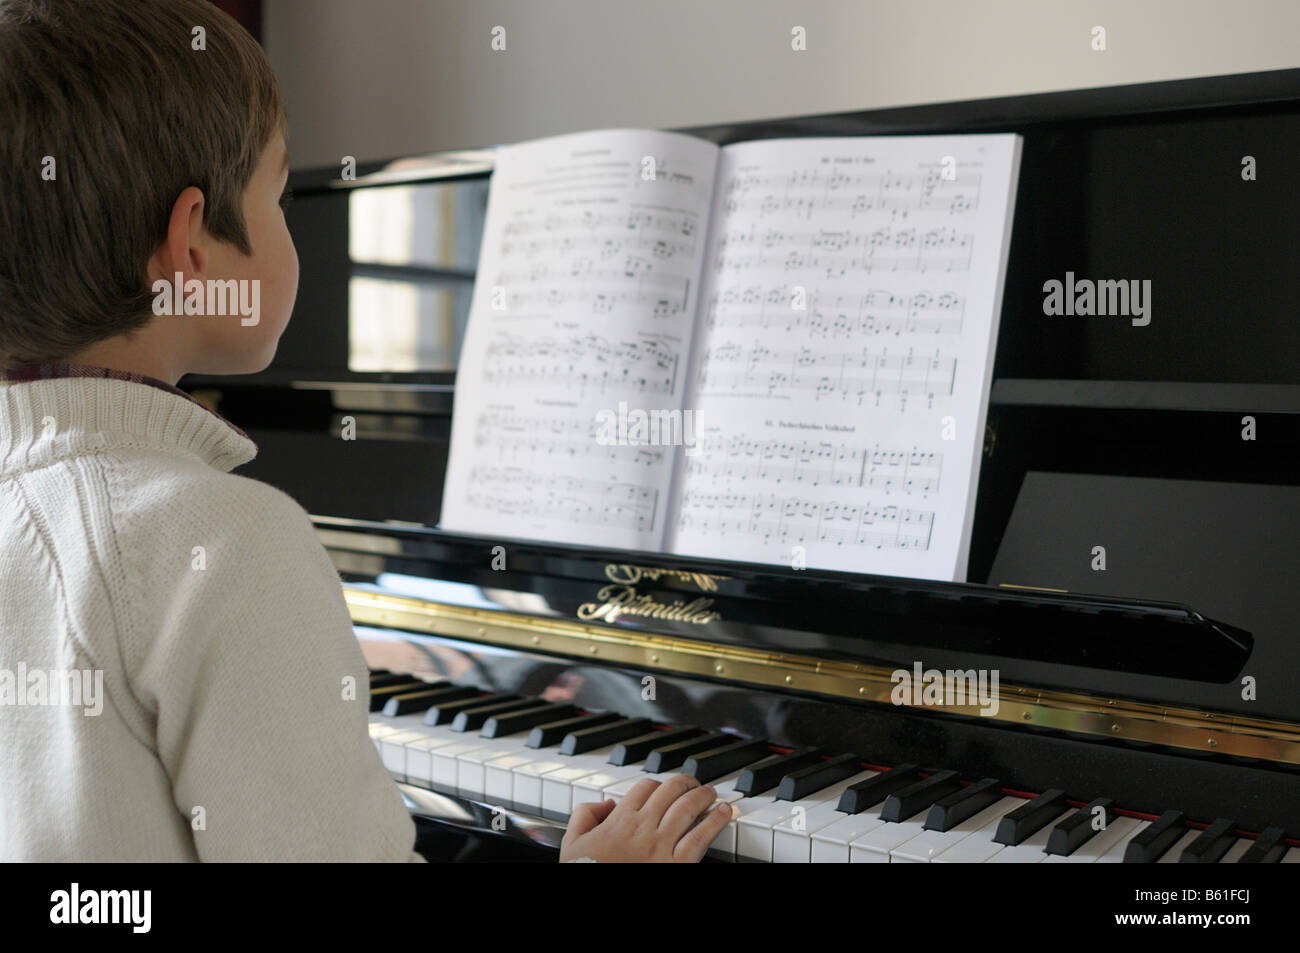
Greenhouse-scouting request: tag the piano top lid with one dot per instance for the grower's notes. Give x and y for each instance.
(769, 607)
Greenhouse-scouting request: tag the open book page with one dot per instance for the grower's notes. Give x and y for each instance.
(586, 292)
(842, 361)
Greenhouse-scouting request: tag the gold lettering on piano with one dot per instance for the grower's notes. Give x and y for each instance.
(622, 600)
(627, 575)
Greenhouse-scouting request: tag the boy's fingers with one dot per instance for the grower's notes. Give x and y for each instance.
(636, 798)
(692, 848)
(683, 812)
(586, 816)
(663, 798)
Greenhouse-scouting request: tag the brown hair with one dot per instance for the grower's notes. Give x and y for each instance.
(132, 114)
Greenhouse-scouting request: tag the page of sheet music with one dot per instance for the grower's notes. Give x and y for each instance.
(580, 319)
(842, 359)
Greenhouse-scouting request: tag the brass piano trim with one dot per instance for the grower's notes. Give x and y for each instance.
(1191, 729)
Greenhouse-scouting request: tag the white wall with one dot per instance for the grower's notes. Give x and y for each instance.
(381, 78)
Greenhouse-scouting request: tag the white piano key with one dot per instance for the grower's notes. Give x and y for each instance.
(1115, 853)
(792, 836)
(471, 766)
(929, 844)
(619, 789)
(446, 769)
(1174, 854)
(1030, 850)
(392, 750)
(499, 778)
(419, 758)
(756, 828)
(528, 782)
(830, 845)
(727, 844)
(1292, 856)
(591, 788)
(557, 786)
(1236, 850)
(378, 732)
(874, 846)
(1119, 829)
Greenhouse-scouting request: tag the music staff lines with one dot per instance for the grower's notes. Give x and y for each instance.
(514, 436)
(685, 224)
(845, 316)
(581, 363)
(739, 459)
(734, 368)
(808, 191)
(524, 493)
(792, 520)
(840, 253)
(604, 248)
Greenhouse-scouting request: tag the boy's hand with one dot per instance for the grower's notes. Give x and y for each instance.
(652, 824)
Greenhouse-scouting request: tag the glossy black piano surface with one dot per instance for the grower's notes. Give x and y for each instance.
(1164, 684)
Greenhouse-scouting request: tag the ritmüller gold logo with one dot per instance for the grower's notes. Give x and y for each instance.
(615, 601)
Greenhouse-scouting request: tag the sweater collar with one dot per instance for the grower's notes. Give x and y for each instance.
(48, 411)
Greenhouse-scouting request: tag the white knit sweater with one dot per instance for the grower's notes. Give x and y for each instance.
(226, 728)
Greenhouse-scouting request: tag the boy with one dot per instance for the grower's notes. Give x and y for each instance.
(173, 641)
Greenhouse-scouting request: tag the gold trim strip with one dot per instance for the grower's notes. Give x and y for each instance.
(1079, 713)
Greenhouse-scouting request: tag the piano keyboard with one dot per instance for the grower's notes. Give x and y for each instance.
(542, 759)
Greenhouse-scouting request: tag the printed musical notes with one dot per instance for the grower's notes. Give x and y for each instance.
(840, 254)
(584, 364)
(863, 375)
(825, 309)
(739, 459)
(585, 299)
(842, 352)
(507, 437)
(518, 492)
(769, 519)
(810, 191)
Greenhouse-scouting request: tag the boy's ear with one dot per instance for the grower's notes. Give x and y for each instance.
(182, 248)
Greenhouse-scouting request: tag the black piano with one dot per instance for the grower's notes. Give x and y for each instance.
(513, 679)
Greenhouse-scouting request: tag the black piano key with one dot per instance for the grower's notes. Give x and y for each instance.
(1155, 840)
(378, 671)
(390, 678)
(445, 712)
(669, 756)
(800, 783)
(639, 748)
(425, 699)
(915, 798)
(947, 812)
(1073, 832)
(767, 774)
(472, 719)
(1211, 845)
(858, 797)
(552, 733)
(509, 723)
(1030, 817)
(379, 696)
(1267, 849)
(589, 739)
(713, 763)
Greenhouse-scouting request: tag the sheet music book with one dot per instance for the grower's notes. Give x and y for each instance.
(818, 316)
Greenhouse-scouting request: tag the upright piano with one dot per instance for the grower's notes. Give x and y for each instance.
(1146, 712)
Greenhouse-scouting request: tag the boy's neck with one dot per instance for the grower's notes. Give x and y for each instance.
(132, 355)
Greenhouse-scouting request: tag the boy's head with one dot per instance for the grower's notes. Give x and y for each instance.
(138, 139)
